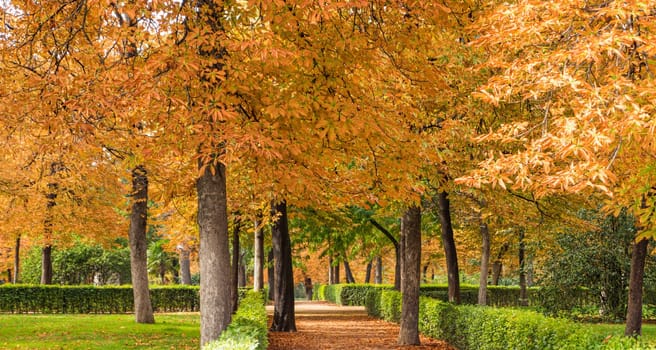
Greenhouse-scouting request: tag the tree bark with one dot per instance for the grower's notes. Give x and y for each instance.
(241, 280)
(283, 300)
(215, 302)
(16, 261)
(271, 273)
(367, 275)
(485, 262)
(348, 272)
(185, 266)
(143, 310)
(234, 272)
(634, 309)
(378, 275)
(449, 247)
(523, 295)
(331, 270)
(401, 259)
(334, 272)
(258, 259)
(497, 266)
(397, 253)
(411, 236)
(46, 251)
(46, 265)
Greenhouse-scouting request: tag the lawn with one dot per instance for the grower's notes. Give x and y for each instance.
(648, 330)
(171, 331)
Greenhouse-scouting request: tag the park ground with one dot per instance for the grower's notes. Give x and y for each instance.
(320, 326)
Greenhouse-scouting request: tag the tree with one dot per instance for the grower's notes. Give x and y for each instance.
(597, 258)
(216, 302)
(258, 255)
(283, 314)
(411, 231)
(143, 310)
(449, 247)
(584, 124)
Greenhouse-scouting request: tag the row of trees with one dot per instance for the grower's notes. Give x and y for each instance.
(218, 107)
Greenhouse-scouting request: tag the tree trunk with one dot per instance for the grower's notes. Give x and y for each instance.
(497, 266)
(411, 236)
(449, 247)
(334, 272)
(348, 272)
(523, 295)
(331, 271)
(367, 275)
(270, 274)
(258, 259)
(143, 310)
(46, 265)
(162, 273)
(215, 302)
(9, 275)
(634, 309)
(401, 259)
(397, 253)
(485, 262)
(46, 252)
(16, 261)
(241, 280)
(234, 273)
(185, 266)
(283, 300)
(378, 275)
(424, 273)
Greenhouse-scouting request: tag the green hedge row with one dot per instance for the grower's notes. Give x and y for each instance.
(469, 327)
(353, 294)
(248, 329)
(346, 294)
(91, 299)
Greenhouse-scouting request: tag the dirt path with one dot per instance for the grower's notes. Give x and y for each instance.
(326, 326)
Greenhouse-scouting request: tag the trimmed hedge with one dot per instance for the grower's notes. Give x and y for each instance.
(248, 329)
(473, 327)
(346, 294)
(354, 294)
(92, 299)
(469, 327)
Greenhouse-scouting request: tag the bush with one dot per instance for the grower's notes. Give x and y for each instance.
(390, 305)
(333, 292)
(92, 299)
(372, 302)
(248, 329)
(469, 327)
(624, 343)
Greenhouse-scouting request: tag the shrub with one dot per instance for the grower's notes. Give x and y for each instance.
(248, 329)
(332, 293)
(372, 302)
(390, 305)
(624, 343)
(469, 327)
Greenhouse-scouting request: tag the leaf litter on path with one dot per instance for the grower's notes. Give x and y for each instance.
(325, 326)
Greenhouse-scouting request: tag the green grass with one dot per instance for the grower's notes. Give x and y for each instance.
(606, 329)
(171, 331)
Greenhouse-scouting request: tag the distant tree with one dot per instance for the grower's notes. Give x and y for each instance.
(597, 259)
